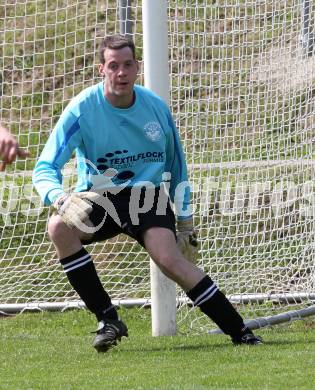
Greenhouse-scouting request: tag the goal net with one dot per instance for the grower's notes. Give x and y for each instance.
(242, 76)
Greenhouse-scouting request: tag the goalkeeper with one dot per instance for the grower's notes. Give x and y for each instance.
(130, 167)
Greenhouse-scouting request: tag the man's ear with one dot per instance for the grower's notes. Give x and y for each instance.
(101, 70)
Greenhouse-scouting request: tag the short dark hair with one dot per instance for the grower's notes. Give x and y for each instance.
(116, 42)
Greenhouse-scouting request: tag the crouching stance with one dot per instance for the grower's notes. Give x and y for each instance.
(131, 169)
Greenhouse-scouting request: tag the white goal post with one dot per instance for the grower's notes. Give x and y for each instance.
(156, 78)
(239, 78)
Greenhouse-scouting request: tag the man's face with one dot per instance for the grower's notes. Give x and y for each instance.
(120, 72)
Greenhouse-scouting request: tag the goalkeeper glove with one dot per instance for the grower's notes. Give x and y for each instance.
(75, 208)
(187, 239)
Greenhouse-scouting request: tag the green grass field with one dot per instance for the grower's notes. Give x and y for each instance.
(53, 351)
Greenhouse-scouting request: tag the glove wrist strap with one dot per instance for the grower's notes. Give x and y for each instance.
(61, 200)
(185, 224)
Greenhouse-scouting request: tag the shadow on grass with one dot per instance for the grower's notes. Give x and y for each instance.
(220, 346)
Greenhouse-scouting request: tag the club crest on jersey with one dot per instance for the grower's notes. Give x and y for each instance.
(153, 131)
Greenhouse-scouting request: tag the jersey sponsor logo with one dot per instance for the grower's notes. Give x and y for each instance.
(124, 162)
(120, 159)
(109, 158)
(153, 131)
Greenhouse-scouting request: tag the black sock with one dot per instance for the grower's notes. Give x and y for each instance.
(215, 305)
(83, 278)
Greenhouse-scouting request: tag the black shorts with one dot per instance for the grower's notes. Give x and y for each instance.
(132, 223)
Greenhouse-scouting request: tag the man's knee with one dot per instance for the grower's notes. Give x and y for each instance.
(57, 229)
(59, 232)
(163, 248)
(166, 262)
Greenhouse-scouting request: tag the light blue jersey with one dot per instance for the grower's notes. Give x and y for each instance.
(140, 143)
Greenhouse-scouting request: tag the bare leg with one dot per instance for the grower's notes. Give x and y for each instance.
(66, 240)
(161, 246)
(79, 267)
